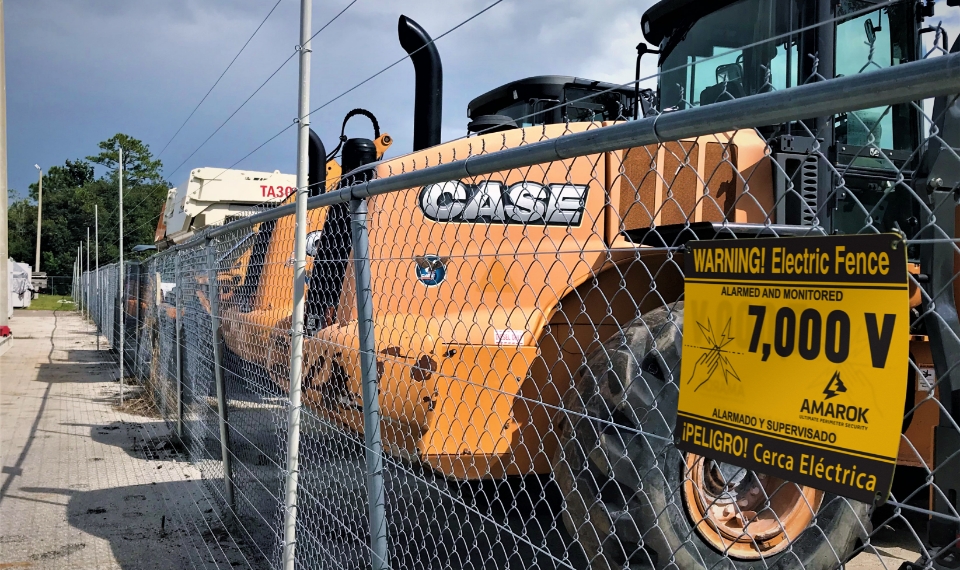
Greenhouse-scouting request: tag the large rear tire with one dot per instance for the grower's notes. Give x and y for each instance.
(633, 500)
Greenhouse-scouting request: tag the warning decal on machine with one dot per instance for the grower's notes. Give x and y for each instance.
(795, 354)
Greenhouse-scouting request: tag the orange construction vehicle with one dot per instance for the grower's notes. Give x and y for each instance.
(511, 310)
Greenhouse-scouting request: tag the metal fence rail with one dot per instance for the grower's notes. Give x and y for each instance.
(493, 332)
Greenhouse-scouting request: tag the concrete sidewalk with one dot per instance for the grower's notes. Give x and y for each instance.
(84, 485)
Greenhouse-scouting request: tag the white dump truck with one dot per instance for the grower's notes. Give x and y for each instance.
(212, 196)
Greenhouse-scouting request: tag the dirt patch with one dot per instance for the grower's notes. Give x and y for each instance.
(216, 535)
(160, 449)
(138, 402)
(63, 551)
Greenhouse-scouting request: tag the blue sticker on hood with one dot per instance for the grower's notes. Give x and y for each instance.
(431, 269)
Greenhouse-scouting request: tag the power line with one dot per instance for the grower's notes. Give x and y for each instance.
(215, 83)
(408, 56)
(629, 83)
(262, 85)
(235, 111)
(392, 65)
(785, 35)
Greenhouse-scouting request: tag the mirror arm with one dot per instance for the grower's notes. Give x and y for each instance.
(642, 49)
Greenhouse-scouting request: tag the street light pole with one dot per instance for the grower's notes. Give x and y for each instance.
(36, 265)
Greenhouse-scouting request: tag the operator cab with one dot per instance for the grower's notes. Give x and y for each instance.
(702, 63)
(551, 99)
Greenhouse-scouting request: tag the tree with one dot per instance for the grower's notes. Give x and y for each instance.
(70, 193)
(144, 191)
(22, 230)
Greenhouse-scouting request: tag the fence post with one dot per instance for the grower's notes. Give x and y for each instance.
(178, 328)
(89, 289)
(299, 286)
(99, 294)
(121, 304)
(213, 293)
(139, 326)
(121, 294)
(371, 394)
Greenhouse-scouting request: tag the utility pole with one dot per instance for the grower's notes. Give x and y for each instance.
(123, 301)
(299, 285)
(36, 265)
(4, 253)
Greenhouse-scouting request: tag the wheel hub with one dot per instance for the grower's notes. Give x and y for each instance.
(745, 514)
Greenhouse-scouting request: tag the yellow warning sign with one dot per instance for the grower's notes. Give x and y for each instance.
(795, 352)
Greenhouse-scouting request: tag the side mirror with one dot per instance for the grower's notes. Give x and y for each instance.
(730, 72)
(871, 31)
(642, 49)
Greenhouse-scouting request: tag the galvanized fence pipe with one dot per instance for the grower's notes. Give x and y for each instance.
(376, 493)
(83, 281)
(89, 288)
(178, 331)
(121, 292)
(96, 242)
(213, 294)
(297, 328)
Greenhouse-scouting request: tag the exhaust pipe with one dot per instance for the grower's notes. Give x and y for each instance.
(317, 166)
(427, 108)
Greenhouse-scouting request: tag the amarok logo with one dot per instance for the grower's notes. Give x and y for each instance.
(834, 386)
(833, 410)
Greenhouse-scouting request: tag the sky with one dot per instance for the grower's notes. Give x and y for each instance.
(80, 71)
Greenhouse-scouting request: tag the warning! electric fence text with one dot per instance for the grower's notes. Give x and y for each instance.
(787, 358)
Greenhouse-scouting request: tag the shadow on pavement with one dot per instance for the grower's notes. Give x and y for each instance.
(161, 525)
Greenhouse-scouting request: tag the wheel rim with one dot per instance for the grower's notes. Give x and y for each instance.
(744, 514)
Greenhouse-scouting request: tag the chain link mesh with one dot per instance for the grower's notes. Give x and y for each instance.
(527, 327)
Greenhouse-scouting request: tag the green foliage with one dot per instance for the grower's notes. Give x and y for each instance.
(70, 193)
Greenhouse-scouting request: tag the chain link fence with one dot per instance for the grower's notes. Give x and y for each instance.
(523, 291)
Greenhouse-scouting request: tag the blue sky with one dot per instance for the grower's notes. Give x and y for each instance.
(79, 71)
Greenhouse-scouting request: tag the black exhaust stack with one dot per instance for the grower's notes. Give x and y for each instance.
(317, 167)
(427, 106)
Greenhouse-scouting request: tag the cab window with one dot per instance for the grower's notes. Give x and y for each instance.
(865, 43)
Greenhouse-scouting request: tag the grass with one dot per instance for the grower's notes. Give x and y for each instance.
(52, 303)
